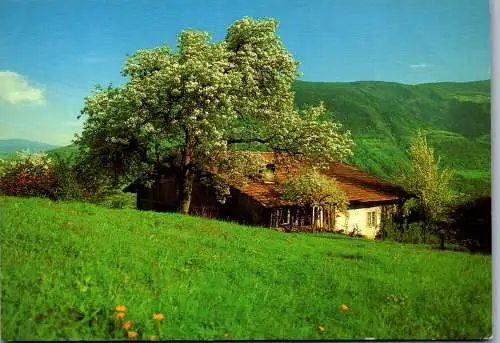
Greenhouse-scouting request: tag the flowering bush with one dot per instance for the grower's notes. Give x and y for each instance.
(26, 174)
(314, 189)
(37, 174)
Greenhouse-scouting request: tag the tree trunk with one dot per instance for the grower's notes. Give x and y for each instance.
(186, 176)
(186, 191)
(334, 217)
(424, 231)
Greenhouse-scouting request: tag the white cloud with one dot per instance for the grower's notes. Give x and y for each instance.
(420, 66)
(15, 89)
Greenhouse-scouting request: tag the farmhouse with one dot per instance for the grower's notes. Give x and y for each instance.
(258, 202)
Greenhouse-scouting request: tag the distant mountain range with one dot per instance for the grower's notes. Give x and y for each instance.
(13, 145)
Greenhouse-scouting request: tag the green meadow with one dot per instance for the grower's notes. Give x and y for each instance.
(66, 266)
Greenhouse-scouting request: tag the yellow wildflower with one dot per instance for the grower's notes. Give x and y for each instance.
(321, 328)
(121, 308)
(153, 338)
(127, 325)
(131, 334)
(120, 315)
(158, 316)
(344, 307)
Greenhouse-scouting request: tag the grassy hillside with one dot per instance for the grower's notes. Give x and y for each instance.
(66, 152)
(384, 116)
(66, 266)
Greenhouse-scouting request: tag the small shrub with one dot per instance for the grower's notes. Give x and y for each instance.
(68, 183)
(411, 233)
(118, 199)
(390, 230)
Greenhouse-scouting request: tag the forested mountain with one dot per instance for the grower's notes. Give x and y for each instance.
(384, 116)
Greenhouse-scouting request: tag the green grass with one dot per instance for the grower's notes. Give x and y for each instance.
(475, 174)
(65, 266)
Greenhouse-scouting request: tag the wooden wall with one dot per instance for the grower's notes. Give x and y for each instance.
(242, 208)
(164, 196)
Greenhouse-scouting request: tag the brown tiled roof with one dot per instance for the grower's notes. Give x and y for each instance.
(359, 186)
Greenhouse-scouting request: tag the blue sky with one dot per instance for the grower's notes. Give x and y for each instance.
(52, 53)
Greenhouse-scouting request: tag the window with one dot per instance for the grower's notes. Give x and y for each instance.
(271, 167)
(372, 219)
(267, 175)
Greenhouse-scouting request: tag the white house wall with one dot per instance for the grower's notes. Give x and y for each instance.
(358, 219)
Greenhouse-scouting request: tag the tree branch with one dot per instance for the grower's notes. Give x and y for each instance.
(248, 140)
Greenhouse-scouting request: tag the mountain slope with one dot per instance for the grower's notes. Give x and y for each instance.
(385, 116)
(68, 152)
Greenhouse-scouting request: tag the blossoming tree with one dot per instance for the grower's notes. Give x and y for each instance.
(317, 191)
(431, 184)
(193, 104)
